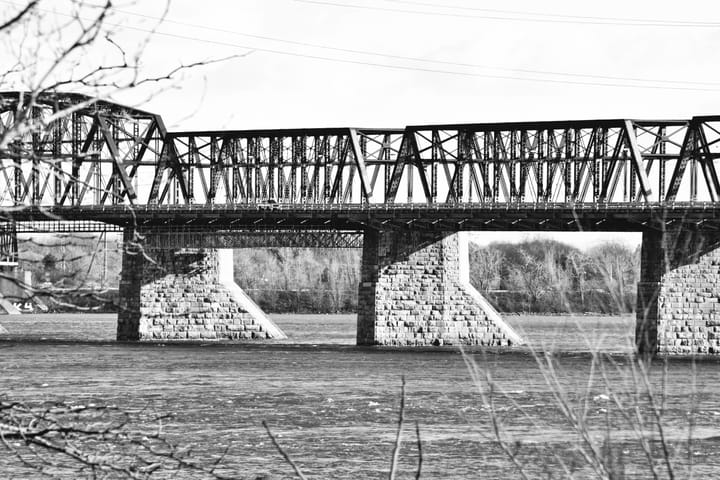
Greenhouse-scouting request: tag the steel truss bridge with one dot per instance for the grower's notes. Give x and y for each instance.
(73, 158)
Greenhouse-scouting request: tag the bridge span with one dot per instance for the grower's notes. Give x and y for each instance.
(404, 194)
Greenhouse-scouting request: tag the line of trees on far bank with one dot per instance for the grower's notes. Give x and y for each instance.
(550, 276)
(300, 280)
(531, 276)
(544, 276)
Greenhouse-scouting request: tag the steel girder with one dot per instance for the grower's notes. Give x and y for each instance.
(65, 226)
(170, 238)
(79, 152)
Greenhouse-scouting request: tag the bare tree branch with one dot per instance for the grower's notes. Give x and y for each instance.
(19, 16)
(282, 452)
(420, 452)
(398, 436)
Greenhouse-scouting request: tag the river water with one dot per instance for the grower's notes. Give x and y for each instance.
(334, 406)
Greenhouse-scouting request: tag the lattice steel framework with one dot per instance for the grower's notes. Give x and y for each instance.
(72, 150)
(105, 155)
(314, 166)
(573, 162)
(66, 226)
(172, 238)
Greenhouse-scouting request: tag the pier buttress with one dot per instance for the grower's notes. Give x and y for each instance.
(185, 294)
(678, 309)
(415, 291)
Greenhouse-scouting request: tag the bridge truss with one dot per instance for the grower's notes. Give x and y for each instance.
(80, 158)
(585, 162)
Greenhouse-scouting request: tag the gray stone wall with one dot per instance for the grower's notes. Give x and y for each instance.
(182, 295)
(414, 291)
(679, 293)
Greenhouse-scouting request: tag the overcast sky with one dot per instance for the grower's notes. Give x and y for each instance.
(390, 63)
(478, 62)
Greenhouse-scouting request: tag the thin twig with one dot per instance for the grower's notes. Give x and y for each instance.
(283, 453)
(691, 419)
(634, 420)
(482, 379)
(657, 409)
(398, 437)
(17, 17)
(419, 448)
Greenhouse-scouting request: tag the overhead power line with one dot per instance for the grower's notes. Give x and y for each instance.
(660, 22)
(554, 19)
(253, 48)
(420, 59)
(420, 69)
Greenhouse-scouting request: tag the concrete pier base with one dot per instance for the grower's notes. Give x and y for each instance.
(415, 291)
(678, 309)
(186, 294)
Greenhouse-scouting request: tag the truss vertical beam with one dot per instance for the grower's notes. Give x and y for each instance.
(365, 188)
(687, 152)
(636, 160)
(115, 155)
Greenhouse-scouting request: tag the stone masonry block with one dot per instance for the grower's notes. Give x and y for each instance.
(202, 298)
(416, 283)
(678, 293)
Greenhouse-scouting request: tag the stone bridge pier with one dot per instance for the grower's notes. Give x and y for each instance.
(184, 294)
(415, 290)
(678, 310)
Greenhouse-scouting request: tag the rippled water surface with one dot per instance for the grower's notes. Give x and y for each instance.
(335, 406)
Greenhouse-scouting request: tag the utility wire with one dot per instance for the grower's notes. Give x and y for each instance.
(669, 23)
(625, 22)
(252, 48)
(419, 59)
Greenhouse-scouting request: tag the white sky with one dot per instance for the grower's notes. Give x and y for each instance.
(274, 90)
(594, 53)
